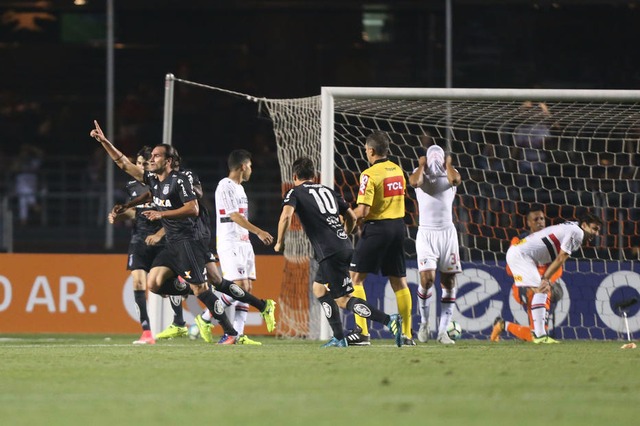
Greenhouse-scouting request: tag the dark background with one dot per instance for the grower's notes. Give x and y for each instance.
(53, 76)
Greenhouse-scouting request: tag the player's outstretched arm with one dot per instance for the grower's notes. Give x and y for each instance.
(116, 214)
(140, 199)
(283, 226)
(264, 236)
(118, 157)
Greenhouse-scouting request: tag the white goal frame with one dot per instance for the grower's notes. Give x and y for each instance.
(330, 93)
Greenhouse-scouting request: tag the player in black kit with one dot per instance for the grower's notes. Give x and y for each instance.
(266, 307)
(147, 240)
(319, 209)
(177, 210)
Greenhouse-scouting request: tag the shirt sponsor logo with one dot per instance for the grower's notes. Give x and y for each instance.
(364, 181)
(161, 203)
(393, 186)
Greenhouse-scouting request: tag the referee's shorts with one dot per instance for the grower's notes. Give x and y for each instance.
(381, 248)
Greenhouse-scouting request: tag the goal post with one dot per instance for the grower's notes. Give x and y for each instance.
(591, 142)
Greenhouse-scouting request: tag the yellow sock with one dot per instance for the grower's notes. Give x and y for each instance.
(403, 297)
(358, 291)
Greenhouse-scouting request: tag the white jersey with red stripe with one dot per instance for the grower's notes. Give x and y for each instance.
(230, 198)
(545, 245)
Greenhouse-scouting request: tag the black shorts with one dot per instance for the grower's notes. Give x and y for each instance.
(211, 257)
(141, 256)
(334, 271)
(381, 248)
(186, 259)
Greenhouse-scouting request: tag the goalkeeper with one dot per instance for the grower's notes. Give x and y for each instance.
(535, 221)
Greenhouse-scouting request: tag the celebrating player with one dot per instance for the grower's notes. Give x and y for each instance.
(177, 210)
(319, 209)
(147, 240)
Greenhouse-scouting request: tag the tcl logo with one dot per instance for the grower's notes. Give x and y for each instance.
(393, 186)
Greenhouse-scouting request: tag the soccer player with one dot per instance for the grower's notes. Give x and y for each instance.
(535, 221)
(436, 180)
(380, 209)
(552, 245)
(178, 289)
(147, 240)
(177, 210)
(319, 209)
(237, 258)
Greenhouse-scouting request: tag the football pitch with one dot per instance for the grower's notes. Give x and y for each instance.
(100, 380)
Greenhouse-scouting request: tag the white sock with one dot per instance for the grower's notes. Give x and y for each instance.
(206, 315)
(241, 317)
(424, 303)
(447, 302)
(539, 313)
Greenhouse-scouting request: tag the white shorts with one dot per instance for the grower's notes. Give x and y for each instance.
(524, 269)
(237, 261)
(438, 250)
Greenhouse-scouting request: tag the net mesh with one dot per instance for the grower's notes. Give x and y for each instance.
(569, 157)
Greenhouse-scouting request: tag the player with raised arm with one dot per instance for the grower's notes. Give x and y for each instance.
(319, 209)
(176, 289)
(552, 245)
(381, 244)
(535, 221)
(147, 240)
(177, 210)
(436, 180)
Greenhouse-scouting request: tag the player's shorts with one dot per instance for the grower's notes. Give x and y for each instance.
(524, 269)
(334, 271)
(438, 249)
(381, 248)
(186, 259)
(141, 256)
(237, 261)
(211, 257)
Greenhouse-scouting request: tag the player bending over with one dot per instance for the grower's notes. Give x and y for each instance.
(553, 245)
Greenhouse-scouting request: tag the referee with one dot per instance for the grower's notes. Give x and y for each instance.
(380, 208)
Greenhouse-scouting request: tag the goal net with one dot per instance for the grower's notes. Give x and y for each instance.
(570, 151)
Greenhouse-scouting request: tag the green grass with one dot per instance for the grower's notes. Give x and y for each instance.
(95, 380)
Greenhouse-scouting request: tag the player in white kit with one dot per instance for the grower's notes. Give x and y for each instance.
(237, 259)
(550, 246)
(436, 181)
